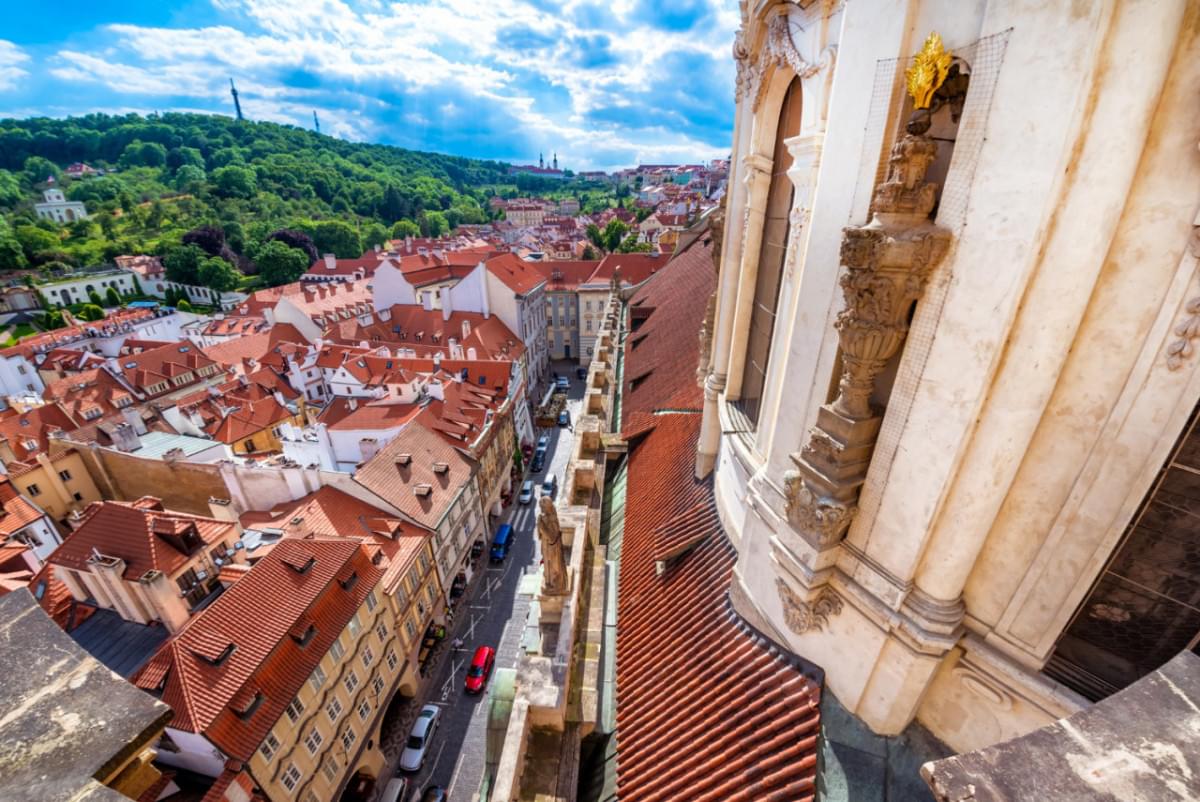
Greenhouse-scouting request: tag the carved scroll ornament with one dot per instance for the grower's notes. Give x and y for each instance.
(802, 617)
(778, 50)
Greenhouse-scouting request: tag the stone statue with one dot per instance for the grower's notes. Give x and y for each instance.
(554, 567)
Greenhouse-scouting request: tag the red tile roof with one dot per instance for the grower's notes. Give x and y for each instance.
(88, 395)
(490, 338)
(16, 512)
(562, 276)
(364, 266)
(665, 349)
(518, 275)
(248, 418)
(161, 362)
(635, 267)
(708, 708)
(404, 474)
(29, 433)
(298, 580)
(344, 414)
(142, 534)
(112, 325)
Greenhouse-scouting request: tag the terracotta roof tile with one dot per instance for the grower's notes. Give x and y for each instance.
(518, 275)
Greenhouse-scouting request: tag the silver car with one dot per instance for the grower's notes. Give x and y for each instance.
(417, 745)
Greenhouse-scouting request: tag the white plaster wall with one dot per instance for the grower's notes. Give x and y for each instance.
(389, 287)
(195, 753)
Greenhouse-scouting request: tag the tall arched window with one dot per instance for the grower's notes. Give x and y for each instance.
(771, 255)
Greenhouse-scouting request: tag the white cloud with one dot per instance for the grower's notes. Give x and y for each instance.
(11, 57)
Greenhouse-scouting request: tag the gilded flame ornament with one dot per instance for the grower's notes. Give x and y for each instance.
(929, 69)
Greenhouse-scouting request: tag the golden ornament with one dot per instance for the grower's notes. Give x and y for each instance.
(929, 69)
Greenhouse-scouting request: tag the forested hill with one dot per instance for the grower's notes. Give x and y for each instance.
(167, 174)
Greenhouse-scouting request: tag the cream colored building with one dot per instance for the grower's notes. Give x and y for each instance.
(952, 443)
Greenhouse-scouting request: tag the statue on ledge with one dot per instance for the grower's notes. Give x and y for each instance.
(554, 566)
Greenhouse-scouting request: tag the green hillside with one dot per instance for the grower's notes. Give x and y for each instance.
(172, 173)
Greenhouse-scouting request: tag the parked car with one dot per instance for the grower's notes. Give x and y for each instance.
(434, 793)
(480, 670)
(562, 383)
(526, 492)
(395, 790)
(550, 485)
(581, 373)
(543, 442)
(501, 543)
(539, 460)
(419, 738)
(564, 418)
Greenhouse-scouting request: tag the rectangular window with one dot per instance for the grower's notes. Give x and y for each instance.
(294, 710)
(377, 685)
(65, 475)
(367, 656)
(348, 738)
(410, 629)
(317, 679)
(351, 682)
(354, 626)
(391, 658)
(333, 709)
(291, 777)
(330, 769)
(33, 490)
(270, 746)
(381, 630)
(313, 742)
(337, 650)
(372, 602)
(364, 710)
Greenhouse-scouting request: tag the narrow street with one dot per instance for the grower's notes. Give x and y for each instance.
(492, 615)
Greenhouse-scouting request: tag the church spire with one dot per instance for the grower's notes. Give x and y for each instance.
(541, 161)
(556, 160)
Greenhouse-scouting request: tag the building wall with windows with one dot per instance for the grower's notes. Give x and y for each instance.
(60, 485)
(943, 468)
(322, 738)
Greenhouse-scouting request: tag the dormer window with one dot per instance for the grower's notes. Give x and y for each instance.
(249, 709)
(349, 582)
(422, 490)
(440, 467)
(299, 564)
(403, 459)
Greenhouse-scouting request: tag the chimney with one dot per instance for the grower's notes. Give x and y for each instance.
(330, 262)
(125, 438)
(352, 403)
(447, 304)
(466, 328)
(427, 301)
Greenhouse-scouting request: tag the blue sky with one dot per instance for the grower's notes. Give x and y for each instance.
(605, 83)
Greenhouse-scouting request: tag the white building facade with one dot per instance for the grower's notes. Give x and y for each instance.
(942, 439)
(56, 207)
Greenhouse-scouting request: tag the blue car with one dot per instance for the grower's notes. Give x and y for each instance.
(562, 383)
(564, 418)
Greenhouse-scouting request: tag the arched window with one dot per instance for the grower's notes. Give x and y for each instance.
(771, 255)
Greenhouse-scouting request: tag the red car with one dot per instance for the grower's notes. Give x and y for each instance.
(481, 669)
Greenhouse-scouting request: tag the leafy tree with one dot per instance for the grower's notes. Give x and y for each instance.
(218, 274)
(111, 297)
(10, 189)
(374, 234)
(280, 264)
(37, 169)
(589, 253)
(631, 245)
(80, 229)
(182, 264)
(108, 224)
(94, 297)
(12, 255)
(35, 240)
(612, 235)
(189, 178)
(405, 228)
(180, 157)
(143, 154)
(54, 319)
(338, 238)
(296, 239)
(184, 305)
(90, 311)
(434, 224)
(234, 182)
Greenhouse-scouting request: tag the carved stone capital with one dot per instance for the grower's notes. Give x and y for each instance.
(806, 616)
(820, 520)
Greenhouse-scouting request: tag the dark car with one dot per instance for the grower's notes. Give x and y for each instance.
(434, 793)
(539, 460)
(564, 418)
(562, 383)
(480, 670)
(581, 373)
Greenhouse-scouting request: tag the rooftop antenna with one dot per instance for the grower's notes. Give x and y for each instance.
(316, 122)
(237, 105)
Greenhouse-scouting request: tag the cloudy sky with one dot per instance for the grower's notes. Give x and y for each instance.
(605, 83)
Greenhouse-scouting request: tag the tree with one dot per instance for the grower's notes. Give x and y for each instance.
(589, 253)
(613, 234)
(218, 274)
(189, 178)
(280, 264)
(37, 169)
(12, 255)
(94, 297)
(10, 189)
(405, 228)
(91, 311)
(296, 239)
(374, 234)
(595, 235)
(108, 224)
(631, 245)
(54, 319)
(143, 154)
(210, 239)
(36, 241)
(180, 157)
(434, 224)
(234, 182)
(338, 238)
(182, 264)
(112, 297)
(184, 305)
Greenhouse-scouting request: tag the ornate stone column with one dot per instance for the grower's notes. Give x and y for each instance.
(888, 262)
(758, 182)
